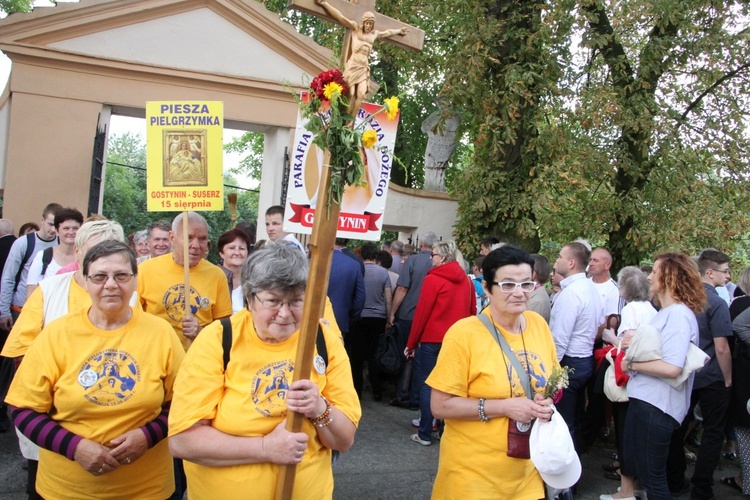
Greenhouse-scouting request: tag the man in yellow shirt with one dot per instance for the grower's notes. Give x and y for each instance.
(161, 286)
(161, 290)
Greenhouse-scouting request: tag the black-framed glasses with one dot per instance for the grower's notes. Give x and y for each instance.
(722, 271)
(100, 279)
(277, 304)
(512, 286)
(435, 255)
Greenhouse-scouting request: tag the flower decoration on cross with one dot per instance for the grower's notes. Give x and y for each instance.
(333, 128)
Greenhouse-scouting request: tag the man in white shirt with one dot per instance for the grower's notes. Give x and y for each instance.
(608, 289)
(574, 321)
(275, 228)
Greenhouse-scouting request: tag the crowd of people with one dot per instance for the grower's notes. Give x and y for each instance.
(122, 382)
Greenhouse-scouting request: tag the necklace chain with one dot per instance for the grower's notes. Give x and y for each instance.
(505, 361)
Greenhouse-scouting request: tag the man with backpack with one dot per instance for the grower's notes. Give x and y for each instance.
(13, 288)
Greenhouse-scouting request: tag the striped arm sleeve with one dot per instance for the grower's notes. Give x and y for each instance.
(45, 432)
(156, 430)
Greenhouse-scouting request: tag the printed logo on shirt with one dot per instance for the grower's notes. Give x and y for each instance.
(174, 302)
(109, 377)
(269, 387)
(535, 368)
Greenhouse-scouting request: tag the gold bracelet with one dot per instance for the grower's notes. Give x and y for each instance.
(324, 419)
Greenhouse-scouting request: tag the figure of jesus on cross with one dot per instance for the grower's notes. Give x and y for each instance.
(357, 66)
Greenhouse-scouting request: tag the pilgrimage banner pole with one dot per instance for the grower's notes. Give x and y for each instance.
(321, 243)
(186, 264)
(325, 223)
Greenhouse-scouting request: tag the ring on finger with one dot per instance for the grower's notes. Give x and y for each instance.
(101, 469)
(127, 460)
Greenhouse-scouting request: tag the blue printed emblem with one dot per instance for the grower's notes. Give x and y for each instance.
(109, 377)
(269, 387)
(174, 302)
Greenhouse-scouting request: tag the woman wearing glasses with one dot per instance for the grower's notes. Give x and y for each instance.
(479, 393)
(227, 420)
(94, 388)
(447, 295)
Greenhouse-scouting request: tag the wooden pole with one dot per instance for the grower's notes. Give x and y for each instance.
(326, 222)
(186, 264)
(232, 197)
(321, 252)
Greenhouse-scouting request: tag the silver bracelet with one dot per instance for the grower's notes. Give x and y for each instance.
(480, 410)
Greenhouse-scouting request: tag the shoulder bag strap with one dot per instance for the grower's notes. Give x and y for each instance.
(514, 361)
(226, 339)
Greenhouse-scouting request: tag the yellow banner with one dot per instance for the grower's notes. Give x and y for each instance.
(185, 152)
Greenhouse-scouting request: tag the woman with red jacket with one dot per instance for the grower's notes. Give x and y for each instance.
(447, 295)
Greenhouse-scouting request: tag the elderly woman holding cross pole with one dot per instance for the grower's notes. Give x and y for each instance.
(235, 389)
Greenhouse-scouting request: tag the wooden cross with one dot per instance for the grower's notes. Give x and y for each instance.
(326, 220)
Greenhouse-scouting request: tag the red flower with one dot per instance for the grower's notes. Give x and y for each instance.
(326, 77)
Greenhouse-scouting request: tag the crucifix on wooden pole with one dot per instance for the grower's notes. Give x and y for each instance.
(360, 19)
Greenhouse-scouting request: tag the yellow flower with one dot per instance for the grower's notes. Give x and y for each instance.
(332, 89)
(369, 138)
(391, 107)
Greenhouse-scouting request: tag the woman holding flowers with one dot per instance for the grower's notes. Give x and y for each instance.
(479, 393)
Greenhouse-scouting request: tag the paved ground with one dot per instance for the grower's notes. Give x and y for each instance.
(383, 463)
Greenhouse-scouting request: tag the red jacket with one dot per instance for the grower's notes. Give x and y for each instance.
(447, 295)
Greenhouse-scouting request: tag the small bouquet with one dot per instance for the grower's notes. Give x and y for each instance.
(327, 112)
(557, 381)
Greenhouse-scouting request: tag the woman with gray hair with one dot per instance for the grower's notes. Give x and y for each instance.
(635, 290)
(140, 241)
(447, 295)
(232, 395)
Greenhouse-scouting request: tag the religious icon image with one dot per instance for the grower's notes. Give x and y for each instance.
(185, 158)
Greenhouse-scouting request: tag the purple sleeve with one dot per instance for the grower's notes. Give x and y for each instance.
(156, 430)
(45, 432)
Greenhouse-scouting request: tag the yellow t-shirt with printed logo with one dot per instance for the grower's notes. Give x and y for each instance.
(251, 401)
(100, 384)
(31, 321)
(161, 287)
(473, 461)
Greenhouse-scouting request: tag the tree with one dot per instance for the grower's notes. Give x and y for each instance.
(657, 122)
(635, 139)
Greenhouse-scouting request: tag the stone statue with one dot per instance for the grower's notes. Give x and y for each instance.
(357, 66)
(441, 141)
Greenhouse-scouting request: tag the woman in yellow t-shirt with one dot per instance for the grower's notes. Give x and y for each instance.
(94, 388)
(227, 421)
(477, 391)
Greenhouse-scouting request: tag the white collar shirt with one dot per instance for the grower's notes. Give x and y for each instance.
(576, 317)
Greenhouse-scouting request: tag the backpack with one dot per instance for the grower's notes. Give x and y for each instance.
(30, 243)
(226, 342)
(46, 259)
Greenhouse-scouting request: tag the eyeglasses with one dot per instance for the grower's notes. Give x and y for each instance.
(100, 279)
(510, 286)
(435, 255)
(722, 271)
(277, 304)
